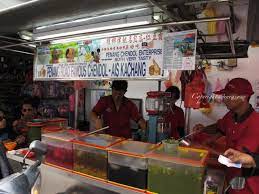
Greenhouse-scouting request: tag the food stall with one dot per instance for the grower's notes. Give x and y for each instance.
(110, 163)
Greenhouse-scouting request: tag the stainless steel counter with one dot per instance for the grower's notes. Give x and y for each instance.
(55, 180)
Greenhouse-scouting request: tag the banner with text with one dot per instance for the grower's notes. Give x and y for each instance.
(127, 57)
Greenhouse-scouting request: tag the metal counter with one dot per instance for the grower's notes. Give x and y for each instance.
(55, 180)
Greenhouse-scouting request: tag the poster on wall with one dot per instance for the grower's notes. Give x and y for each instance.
(131, 56)
(180, 50)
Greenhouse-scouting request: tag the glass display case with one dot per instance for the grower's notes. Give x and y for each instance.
(60, 147)
(181, 171)
(90, 154)
(128, 164)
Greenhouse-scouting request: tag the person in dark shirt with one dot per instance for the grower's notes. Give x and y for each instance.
(20, 125)
(175, 115)
(116, 111)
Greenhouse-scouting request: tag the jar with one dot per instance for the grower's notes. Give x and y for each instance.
(162, 125)
(34, 131)
(154, 102)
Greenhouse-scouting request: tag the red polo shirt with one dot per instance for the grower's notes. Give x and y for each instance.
(176, 119)
(118, 121)
(240, 134)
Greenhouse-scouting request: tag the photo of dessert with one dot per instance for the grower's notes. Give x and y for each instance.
(154, 69)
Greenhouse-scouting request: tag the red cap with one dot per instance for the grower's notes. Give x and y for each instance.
(238, 86)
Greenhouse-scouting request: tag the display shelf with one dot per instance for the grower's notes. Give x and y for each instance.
(54, 98)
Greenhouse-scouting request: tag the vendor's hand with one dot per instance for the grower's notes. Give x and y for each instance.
(20, 139)
(98, 124)
(246, 160)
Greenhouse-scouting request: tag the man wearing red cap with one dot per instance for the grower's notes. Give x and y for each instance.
(240, 126)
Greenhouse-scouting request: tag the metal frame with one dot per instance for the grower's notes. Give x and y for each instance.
(163, 24)
(206, 1)
(165, 11)
(230, 37)
(17, 51)
(11, 38)
(14, 50)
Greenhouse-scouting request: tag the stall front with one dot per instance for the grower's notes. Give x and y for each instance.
(112, 164)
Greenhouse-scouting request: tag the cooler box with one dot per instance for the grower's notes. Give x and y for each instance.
(128, 164)
(180, 172)
(90, 154)
(60, 148)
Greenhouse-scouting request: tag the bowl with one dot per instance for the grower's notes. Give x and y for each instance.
(10, 145)
(170, 145)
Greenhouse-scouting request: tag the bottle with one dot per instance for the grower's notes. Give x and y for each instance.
(210, 186)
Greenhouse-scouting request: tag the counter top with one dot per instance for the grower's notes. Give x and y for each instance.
(51, 174)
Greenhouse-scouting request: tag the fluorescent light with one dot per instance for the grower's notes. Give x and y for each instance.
(18, 5)
(91, 18)
(32, 45)
(52, 25)
(105, 35)
(26, 35)
(156, 17)
(111, 14)
(45, 37)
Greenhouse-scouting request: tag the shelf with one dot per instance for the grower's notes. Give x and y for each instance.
(11, 82)
(54, 98)
(11, 97)
(99, 89)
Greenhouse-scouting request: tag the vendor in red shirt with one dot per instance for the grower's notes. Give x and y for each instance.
(241, 128)
(175, 115)
(116, 111)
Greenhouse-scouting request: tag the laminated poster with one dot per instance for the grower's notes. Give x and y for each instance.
(180, 50)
